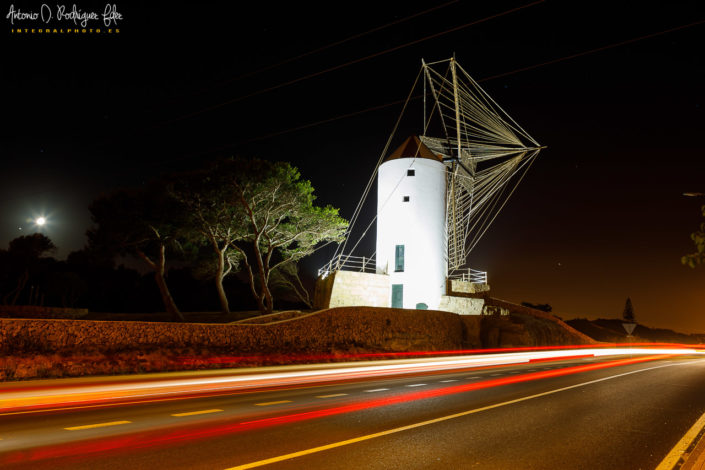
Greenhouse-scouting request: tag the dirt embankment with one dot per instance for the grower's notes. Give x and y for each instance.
(540, 326)
(61, 348)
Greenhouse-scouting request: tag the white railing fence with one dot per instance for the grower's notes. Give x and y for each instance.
(364, 264)
(470, 275)
(361, 264)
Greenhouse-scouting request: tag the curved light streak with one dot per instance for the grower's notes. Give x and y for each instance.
(16, 398)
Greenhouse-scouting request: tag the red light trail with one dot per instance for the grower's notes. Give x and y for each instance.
(159, 438)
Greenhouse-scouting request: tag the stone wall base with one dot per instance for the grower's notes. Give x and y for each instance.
(350, 288)
(461, 305)
(454, 286)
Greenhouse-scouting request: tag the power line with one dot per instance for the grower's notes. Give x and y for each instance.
(482, 80)
(323, 48)
(325, 121)
(351, 62)
(597, 49)
(343, 41)
(393, 103)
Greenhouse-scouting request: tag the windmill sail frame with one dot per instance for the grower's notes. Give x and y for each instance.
(484, 150)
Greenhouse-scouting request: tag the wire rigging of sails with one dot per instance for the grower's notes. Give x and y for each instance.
(484, 150)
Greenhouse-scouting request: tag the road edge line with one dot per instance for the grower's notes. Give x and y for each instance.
(690, 438)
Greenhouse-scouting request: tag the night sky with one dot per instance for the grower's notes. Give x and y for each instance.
(600, 216)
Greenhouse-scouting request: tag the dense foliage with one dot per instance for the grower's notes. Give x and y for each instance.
(698, 237)
(246, 216)
(259, 216)
(628, 313)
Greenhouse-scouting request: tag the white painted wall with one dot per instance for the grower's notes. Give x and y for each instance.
(419, 225)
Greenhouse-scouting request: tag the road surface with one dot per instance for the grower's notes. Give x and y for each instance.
(572, 414)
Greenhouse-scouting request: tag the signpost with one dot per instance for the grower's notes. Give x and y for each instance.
(629, 328)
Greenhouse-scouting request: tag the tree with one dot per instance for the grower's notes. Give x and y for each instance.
(543, 307)
(628, 313)
(283, 225)
(30, 247)
(66, 287)
(698, 237)
(21, 258)
(145, 223)
(260, 214)
(285, 282)
(215, 216)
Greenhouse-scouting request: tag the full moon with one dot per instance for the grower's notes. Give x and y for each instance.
(40, 221)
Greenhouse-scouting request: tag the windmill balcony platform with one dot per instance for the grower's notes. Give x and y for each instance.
(348, 281)
(470, 282)
(351, 281)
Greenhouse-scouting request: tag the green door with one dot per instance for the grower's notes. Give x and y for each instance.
(397, 295)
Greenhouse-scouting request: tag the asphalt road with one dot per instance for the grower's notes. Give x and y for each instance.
(530, 416)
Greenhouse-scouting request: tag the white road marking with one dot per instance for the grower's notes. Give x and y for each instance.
(273, 403)
(376, 390)
(449, 380)
(416, 385)
(332, 395)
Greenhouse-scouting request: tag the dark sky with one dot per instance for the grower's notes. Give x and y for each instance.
(600, 216)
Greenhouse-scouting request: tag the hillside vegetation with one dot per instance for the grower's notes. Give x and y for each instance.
(612, 331)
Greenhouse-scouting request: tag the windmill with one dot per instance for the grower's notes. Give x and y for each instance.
(438, 192)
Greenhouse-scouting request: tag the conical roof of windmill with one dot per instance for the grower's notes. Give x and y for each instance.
(413, 148)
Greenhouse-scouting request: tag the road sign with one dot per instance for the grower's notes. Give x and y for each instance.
(629, 327)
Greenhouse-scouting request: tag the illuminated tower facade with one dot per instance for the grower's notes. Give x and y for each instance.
(411, 225)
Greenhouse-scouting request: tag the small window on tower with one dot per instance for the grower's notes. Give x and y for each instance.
(410, 172)
(406, 198)
(399, 258)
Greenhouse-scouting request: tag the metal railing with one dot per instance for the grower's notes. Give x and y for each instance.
(361, 264)
(471, 275)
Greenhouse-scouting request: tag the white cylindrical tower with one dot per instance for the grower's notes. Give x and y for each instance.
(411, 225)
